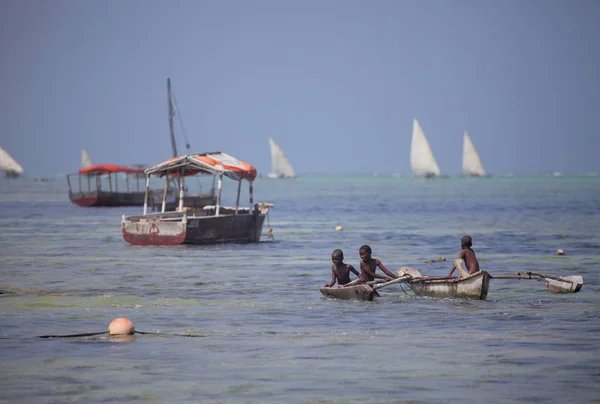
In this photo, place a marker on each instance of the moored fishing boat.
(210, 224)
(98, 185)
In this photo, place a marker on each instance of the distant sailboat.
(7, 164)
(85, 159)
(280, 165)
(422, 160)
(471, 162)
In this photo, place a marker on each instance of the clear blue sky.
(336, 83)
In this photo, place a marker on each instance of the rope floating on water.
(30, 291)
(94, 334)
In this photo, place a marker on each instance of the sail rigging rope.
(187, 143)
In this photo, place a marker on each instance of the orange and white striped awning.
(217, 163)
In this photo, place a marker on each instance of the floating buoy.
(338, 228)
(560, 252)
(121, 326)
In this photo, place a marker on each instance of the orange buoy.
(121, 326)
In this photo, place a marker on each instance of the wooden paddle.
(378, 283)
(404, 278)
(555, 284)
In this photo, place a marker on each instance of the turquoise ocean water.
(246, 323)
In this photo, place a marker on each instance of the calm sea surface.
(247, 323)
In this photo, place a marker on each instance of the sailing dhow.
(7, 164)
(471, 163)
(86, 161)
(280, 164)
(422, 160)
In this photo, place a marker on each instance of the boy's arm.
(461, 256)
(354, 271)
(372, 274)
(333, 279)
(385, 270)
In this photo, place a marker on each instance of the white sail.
(471, 162)
(9, 165)
(422, 160)
(280, 165)
(85, 159)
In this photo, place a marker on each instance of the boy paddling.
(340, 271)
(368, 265)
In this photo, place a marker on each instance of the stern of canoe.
(358, 292)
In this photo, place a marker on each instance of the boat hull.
(471, 287)
(357, 292)
(172, 228)
(109, 199)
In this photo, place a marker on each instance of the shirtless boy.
(340, 272)
(368, 265)
(468, 256)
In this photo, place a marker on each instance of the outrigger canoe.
(474, 286)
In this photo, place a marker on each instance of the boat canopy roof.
(110, 168)
(215, 163)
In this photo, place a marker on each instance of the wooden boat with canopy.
(210, 224)
(99, 185)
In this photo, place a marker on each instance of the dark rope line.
(30, 291)
(93, 334)
(87, 334)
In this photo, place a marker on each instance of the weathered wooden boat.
(359, 291)
(98, 185)
(473, 286)
(211, 224)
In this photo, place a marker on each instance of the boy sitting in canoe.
(468, 256)
(368, 265)
(340, 272)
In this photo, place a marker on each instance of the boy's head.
(365, 252)
(466, 241)
(337, 256)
